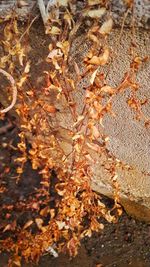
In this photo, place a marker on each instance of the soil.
(126, 243)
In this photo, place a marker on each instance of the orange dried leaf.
(95, 132)
(101, 60)
(17, 261)
(49, 108)
(39, 223)
(45, 211)
(107, 89)
(19, 170)
(29, 223)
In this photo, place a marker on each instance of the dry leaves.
(100, 60)
(95, 13)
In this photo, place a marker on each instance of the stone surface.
(129, 139)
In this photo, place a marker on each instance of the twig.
(14, 91)
(43, 11)
(28, 28)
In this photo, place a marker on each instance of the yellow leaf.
(29, 223)
(92, 79)
(21, 82)
(101, 60)
(19, 170)
(27, 67)
(95, 132)
(63, 2)
(39, 223)
(55, 30)
(94, 2)
(106, 27)
(95, 13)
(107, 89)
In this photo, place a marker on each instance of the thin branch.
(14, 91)
(43, 11)
(28, 28)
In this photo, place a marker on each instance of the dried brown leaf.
(95, 13)
(106, 27)
(101, 60)
(27, 224)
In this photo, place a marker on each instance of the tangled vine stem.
(14, 93)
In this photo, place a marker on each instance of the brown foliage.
(77, 208)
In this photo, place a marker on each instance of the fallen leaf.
(107, 89)
(106, 27)
(101, 60)
(29, 223)
(63, 2)
(93, 76)
(39, 223)
(95, 132)
(94, 2)
(49, 108)
(95, 13)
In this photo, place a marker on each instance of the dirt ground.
(126, 243)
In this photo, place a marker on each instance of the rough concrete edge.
(133, 208)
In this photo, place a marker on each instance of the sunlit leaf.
(106, 27)
(94, 2)
(95, 13)
(28, 224)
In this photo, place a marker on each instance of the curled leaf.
(39, 222)
(29, 223)
(95, 132)
(101, 60)
(49, 108)
(95, 13)
(107, 89)
(106, 27)
(54, 30)
(93, 76)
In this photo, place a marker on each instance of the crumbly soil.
(126, 243)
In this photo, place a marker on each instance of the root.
(14, 91)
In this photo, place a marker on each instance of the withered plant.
(77, 209)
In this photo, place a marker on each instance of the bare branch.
(14, 91)
(43, 10)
